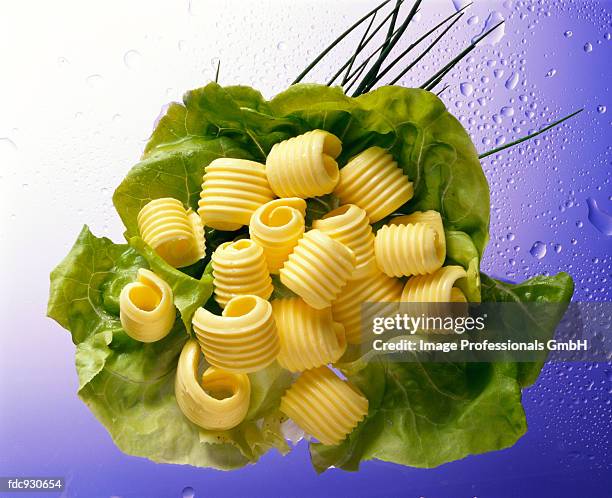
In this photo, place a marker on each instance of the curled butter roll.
(304, 166)
(432, 295)
(276, 227)
(376, 289)
(219, 402)
(408, 249)
(438, 287)
(146, 307)
(308, 337)
(324, 406)
(350, 225)
(373, 181)
(243, 339)
(232, 189)
(318, 268)
(431, 218)
(240, 268)
(175, 233)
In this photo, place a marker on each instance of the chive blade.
(530, 136)
(376, 30)
(443, 90)
(459, 57)
(373, 71)
(426, 51)
(359, 49)
(217, 72)
(417, 42)
(336, 41)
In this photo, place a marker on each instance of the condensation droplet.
(601, 109)
(495, 36)
(512, 81)
(538, 250)
(94, 80)
(588, 47)
(460, 4)
(466, 89)
(568, 34)
(473, 20)
(507, 111)
(551, 73)
(188, 492)
(132, 59)
(281, 45)
(598, 218)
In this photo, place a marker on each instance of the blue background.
(539, 225)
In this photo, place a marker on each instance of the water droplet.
(466, 89)
(62, 61)
(588, 47)
(568, 34)
(507, 111)
(538, 250)
(599, 218)
(188, 492)
(498, 73)
(558, 248)
(551, 73)
(601, 109)
(495, 36)
(512, 81)
(473, 20)
(94, 80)
(608, 36)
(281, 45)
(132, 59)
(460, 4)
(8, 144)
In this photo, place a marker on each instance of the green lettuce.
(420, 414)
(426, 414)
(129, 385)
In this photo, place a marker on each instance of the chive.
(364, 63)
(443, 90)
(336, 41)
(217, 72)
(530, 136)
(426, 51)
(360, 47)
(391, 28)
(373, 71)
(358, 74)
(458, 58)
(443, 73)
(381, 24)
(411, 46)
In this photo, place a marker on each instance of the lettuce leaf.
(427, 414)
(556, 289)
(129, 385)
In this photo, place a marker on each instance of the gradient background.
(81, 85)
